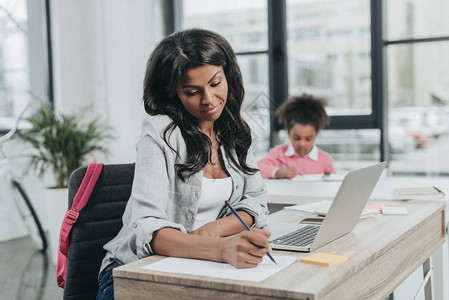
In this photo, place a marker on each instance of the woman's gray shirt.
(159, 198)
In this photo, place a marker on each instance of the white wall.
(100, 50)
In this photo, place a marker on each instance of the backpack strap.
(79, 201)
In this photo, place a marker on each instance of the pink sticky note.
(376, 206)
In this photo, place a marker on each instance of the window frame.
(277, 30)
(278, 72)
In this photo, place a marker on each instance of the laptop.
(344, 212)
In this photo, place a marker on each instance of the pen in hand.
(246, 226)
(284, 164)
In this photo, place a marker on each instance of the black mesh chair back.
(98, 222)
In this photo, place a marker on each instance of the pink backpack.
(79, 201)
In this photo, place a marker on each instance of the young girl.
(303, 118)
(193, 155)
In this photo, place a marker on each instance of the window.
(414, 19)
(22, 59)
(329, 56)
(245, 25)
(324, 53)
(336, 50)
(14, 72)
(417, 85)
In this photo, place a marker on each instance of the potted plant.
(61, 143)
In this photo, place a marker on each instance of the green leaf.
(62, 143)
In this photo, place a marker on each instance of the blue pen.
(284, 164)
(246, 226)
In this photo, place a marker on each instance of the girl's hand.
(246, 249)
(208, 229)
(286, 172)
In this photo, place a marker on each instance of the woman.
(192, 156)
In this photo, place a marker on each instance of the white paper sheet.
(320, 177)
(394, 210)
(221, 270)
(310, 207)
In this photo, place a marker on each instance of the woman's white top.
(214, 192)
(161, 199)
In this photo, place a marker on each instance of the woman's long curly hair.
(171, 58)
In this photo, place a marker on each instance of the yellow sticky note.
(324, 259)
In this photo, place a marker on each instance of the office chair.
(98, 222)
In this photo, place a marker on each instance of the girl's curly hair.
(304, 109)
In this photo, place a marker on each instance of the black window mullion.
(170, 9)
(415, 41)
(277, 57)
(49, 52)
(353, 122)
(252, 52)
(378, 76)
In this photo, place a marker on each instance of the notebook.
(425, 192)
(367, 212)
(343, 214)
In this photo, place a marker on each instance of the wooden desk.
(282, 192)
(383, 251)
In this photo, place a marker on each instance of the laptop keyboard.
(301, 237)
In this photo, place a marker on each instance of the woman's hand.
(246, 249)
(286, 172)
(226, 226)
(211, 229)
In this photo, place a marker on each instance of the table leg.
(427, 284)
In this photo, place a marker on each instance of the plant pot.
(56, 207)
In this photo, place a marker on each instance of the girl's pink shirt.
(305, 165)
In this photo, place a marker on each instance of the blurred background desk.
(286, 191)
